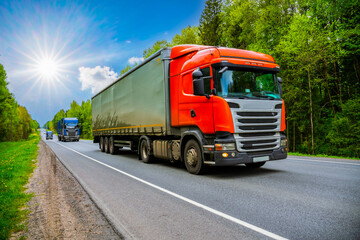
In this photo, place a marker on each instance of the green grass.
(320, 155)
(16, 166)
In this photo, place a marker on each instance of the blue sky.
(58, 51)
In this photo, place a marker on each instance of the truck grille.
(72, 133)
(257, 131)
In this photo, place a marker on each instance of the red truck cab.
(232, 97)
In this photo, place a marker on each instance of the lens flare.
(47, 68)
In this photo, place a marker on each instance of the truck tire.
(193, 157)
(255, 165)
(112, 149)
(145, 151)
(101, 144)
(106, 144)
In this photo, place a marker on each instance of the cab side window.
(207, 81)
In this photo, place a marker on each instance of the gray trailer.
(134, 105)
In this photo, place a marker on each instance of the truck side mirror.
(198, 83)
(280, 87)
(197, 73)
(198, 86)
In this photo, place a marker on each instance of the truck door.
(196, 110)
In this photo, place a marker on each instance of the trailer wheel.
(145, 151)
(193, 157)
(112, 149)
(101, 144)
(106, 144)
(255, 165)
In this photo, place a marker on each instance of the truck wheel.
(255, 165)
(101, 144)
(112, 149)
(145, 151)
(106, 144)
(193, 157)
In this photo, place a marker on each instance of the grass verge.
(320, 155)
(16, 166)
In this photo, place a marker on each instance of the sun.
(47, 68)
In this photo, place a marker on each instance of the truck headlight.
(283, 142)
(225, 146)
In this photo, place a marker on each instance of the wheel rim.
(144, 151)
(192, 157)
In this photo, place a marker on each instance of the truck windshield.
(71, 125)
(236, 83)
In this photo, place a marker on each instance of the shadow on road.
(239, 171)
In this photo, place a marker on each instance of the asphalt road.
(296, 198)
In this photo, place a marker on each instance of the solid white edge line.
(303, 159)
(216, 212)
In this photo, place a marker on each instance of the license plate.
(261, 159)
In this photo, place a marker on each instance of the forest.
(15, 121)
(317, 45)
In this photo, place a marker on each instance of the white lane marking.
(216, 212)
(303, 159)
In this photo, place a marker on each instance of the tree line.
(15, 121)
(317, 45)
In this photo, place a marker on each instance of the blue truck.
(49, 135)
(68, 129)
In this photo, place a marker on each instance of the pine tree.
(210, 23)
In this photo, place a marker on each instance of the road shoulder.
(61, 208)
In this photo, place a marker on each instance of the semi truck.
(68, 129)
(49, 135)
(196, 105)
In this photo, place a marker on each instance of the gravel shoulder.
(61, 208)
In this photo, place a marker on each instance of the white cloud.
(128, 41)
(96, 78)
(134, 60)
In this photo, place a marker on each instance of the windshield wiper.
(268, 97)
(264, 96)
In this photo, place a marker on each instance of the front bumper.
(235, 157)
(71, 138)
